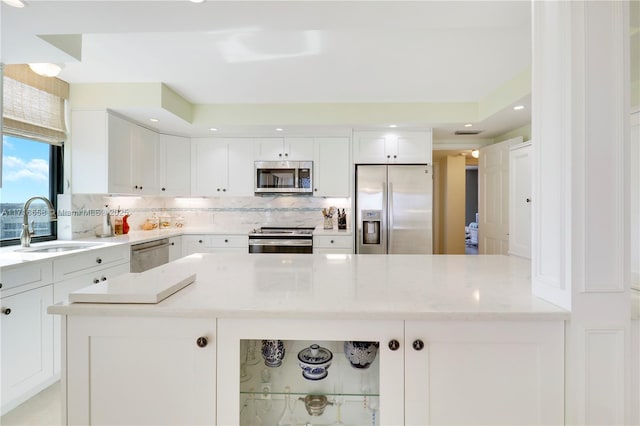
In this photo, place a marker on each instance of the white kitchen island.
(461, 341)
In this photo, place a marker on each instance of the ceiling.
(244, 52)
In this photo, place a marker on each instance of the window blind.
(33, 106)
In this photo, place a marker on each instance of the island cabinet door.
(484, 372)
(140, 371)
(357, 370)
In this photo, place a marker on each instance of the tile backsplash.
(80, 215)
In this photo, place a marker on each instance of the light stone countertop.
(319, 286)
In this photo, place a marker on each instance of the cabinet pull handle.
(528, 200)
(202, 342)
(96, 281)
(394, 345)
(418, 344)
(99, 260)
(6, 311)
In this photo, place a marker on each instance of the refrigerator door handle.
(389, 216)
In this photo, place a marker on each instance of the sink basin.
(56, 248)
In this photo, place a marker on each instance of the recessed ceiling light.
(468, 125)
(213, 129)
(518, 107)
(475, 153)
(155, 120)
(393, 126)
(46, 69)
(279, 129)
(14, 3)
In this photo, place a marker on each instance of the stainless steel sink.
(56, 248)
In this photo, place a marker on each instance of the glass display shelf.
(351, 394)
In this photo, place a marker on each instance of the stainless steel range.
(274, 239)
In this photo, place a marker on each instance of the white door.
(484, 373)
(27, 343)
(141, 371)
(332, 167)
(520, 201)
(493, 198)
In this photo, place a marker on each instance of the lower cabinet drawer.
(237, 241)
(35, 274)
(82, 263)
(329, 241)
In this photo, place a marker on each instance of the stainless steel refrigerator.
(394, 209)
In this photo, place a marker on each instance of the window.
(29, 168)
(33, 131)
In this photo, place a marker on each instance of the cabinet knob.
(331, 241)
(528, 200)
(99, 260)
(6, 311)
(140, 187)
(96, 281)
(0, 285)
(418, 344)
(224, 189)
(286, 154)
(280, 155)
(394, 345)
(388, 156)
(226, 241)
(315, 189)
(395, 156)
(136, 186)
(200, 241)
(202, 342)
(218, 189)
(173, 244)
(103, 278)
(164, 189)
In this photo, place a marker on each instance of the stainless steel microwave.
(283, 177)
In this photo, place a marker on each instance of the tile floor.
(44, 409)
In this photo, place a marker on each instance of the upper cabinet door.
(120, 166)
(175, 164)
(240, 167)
(393, 147)
(270, 149)
(209, 159)
(298, 149)
(145, 158)
(331, 168)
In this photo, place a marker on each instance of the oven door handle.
(278, 242)
(135, 251)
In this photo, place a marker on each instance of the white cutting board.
(145, 287)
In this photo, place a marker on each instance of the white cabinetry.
(222, 167)
(634, 170)
(174, 165)
(175, 248)
(332, 167)
(284, 149)
(112, 155)
(393, 147)
(493, 373)
(520, 200)
(327, 244)
(76, 272)
(214, 244)
(150, 370)
(26, 332)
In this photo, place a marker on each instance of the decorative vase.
(360, 354)
(315, 361)
(273, 352)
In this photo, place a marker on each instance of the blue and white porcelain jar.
(361, 354)
(273, 352)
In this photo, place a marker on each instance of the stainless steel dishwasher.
(149, 255)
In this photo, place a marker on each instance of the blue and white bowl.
(315, 361)
(361, 354)
(273, 352)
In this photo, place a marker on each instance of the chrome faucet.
(25, 235)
